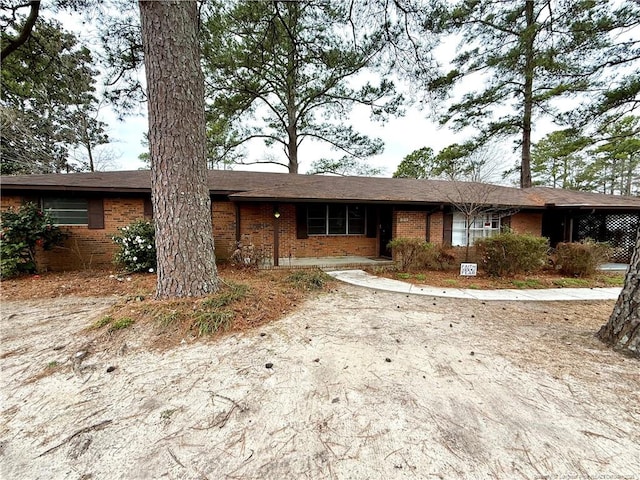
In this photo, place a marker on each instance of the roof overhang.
(583, 206)
(72, 188)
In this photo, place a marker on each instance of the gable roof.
(260, 186)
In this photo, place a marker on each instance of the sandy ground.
(361, 385)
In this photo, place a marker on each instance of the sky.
(401, 136)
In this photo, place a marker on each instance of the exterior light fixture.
(276, 213)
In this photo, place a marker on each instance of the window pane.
(337, 220)
(67, 211)
(458, 232)
(317, 219)
(65, 203)
(481, 226)
(356, 219)
(317, 226)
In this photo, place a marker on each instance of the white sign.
(468, 269)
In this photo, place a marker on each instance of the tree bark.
(529, 35)
(622, 331)
(179, 190)
(292, 148)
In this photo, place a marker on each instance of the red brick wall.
(224, 228)
(85, 248)
(94, 248)
(88, 248)
(436, 228)
(257, 224)
(409, 224)
(530, 223)
(10, 202)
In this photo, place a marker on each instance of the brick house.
(289, 216)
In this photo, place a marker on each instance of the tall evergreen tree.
(607, 162)
(618, 66)
(48, 102)
(284, 72)
(460, 162)
(558, 160)
(616, 168)
(526, 53)
(420, 163)
(179, 189)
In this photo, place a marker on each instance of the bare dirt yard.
(350, 384)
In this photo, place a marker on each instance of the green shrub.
(11, 261)
(137, 247)
(22, 232)
(507, 254)
(412, 253)
(581, 259)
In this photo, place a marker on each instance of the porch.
(346, 262)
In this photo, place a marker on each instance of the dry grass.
(247, 299)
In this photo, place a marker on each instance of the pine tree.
(527, 54)
(281, 71)
(179, 190)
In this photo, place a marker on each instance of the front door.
(386, 230)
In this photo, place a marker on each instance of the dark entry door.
(386, 230)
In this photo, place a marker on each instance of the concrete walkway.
(363, 279)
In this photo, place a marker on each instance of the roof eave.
(68, 188)
(582, 206)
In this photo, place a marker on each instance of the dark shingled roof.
(559, 197)
(259, 186)
(392, 190)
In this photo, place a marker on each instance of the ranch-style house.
(288, 216)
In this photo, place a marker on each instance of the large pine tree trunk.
(622, 331)
(529, 53)
(180, 195)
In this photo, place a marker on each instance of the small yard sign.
(468, 269)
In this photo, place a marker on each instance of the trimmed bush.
(412, 253)
(508, 254)
(581, 259)
(22, 232)
(137, 247)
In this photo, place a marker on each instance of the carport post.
(276, 236)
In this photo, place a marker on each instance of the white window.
(480, 226)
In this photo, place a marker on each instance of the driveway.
(356, 384)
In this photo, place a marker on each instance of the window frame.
(332, 211)
(477, 229)
(53, 211)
